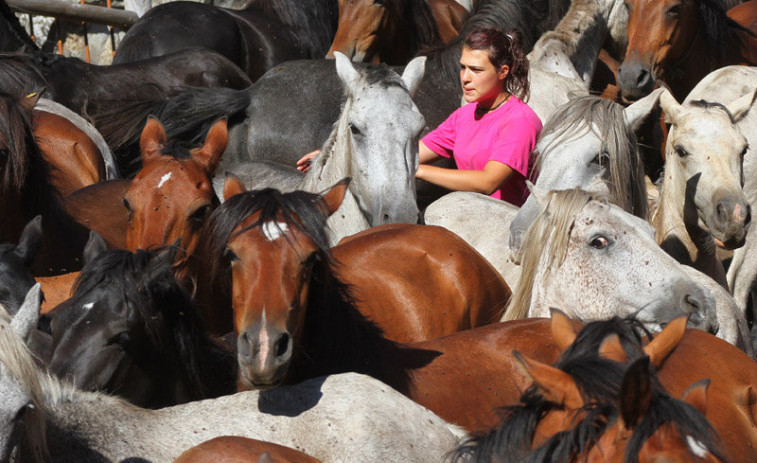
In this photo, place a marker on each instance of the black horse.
(256, 38)
(131, 329)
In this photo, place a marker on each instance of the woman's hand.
(303, 165)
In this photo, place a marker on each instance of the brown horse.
(394, 31)
(680, 42)
(168, 199)
(414, 282)
(232, 449)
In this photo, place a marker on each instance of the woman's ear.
(504, 70)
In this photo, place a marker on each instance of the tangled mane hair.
(546, 241)
(626, 182)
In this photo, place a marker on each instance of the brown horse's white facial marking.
(697, 448)
(164, 179)
(264, 341)
(274, 230)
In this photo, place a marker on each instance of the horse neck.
(578, 37)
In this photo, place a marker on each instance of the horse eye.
(354, 129)
(601, 159)
(199, 215)
(599, 242)
(681, 151)
(120, 339)
(230, 255)
(127, 205)
(674, 11)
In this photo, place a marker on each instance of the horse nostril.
(722, 213)
(643, 78)
(695, 305)
(282, 345)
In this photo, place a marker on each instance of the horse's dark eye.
(674, 11)
(681, 151)
(127, 205)
(601, 159)
(354, 129)
(199, 215)
(121, 339)
(599, 242)
(230, 255)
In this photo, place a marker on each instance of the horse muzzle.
(730, 223)
(264, 355)
(635, 78)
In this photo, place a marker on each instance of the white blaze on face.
(263, 342)
(697, 447)
(164, 179)
(274, 230)
(88, 305)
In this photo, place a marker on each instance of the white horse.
(702, 204)
(721, 86)
(347, 417)
(587, 143)
(594, 260)
(375, 142)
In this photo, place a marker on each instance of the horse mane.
(418, 23)
(315, 21)
(626, 184)
(717, 25)
(165, 308)
(19, 73)
(546, 241)
(18, 362)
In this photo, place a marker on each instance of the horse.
(588, 142)
(393, 32)
(131, 329)
(15, 260)
(256, 37)
(702, 204)
(679, 43)
(348, 417)
(383, 266)
(229, 448)
(375, 142)
(571, 417)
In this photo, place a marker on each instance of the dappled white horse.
(375, 142)
(702, 204)
(587, 143)
(347, 417)
(594, 260)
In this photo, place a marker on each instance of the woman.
(491, 138)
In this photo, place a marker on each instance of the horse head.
(172, 196)
(273, 249)
(704, 168)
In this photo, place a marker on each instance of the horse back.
(420, 282)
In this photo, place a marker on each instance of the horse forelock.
(707, 105)
(626, 184)
(546, 241)
(19, 73)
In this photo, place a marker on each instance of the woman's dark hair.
(503, 48)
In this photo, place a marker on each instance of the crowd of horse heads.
(174, 289)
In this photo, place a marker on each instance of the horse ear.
(670, 105)
(666, 341)
(636, 113)
(635, 393)
(30, 241)
(554, 384)
(152, 139)
(27, 316)
(95, 246)
(741, 106)
(696, 395)
(209, 156)
(611, 349)
(562, 329)
(232, 186)
(346, 71)
(335, 195)
(413, 74)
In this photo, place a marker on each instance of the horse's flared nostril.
(642, 79)
(282, 345)
(695, 307)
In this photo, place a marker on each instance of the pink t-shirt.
(507, 135)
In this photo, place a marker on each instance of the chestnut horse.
(414, 282)
(231, 449)
(394, 31)
(680, 42)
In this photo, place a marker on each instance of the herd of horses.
(175, 290)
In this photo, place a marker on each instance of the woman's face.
(481, 82)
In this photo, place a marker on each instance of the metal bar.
(76, 12)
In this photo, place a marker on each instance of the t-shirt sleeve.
(515, 142)
(442, 139)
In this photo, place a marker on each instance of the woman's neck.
(500, 100)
